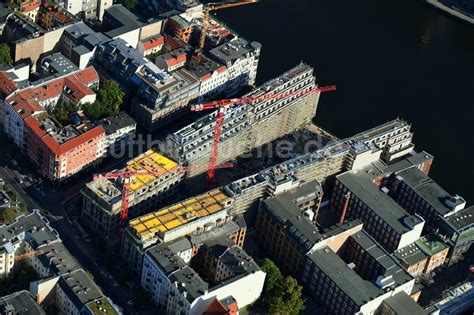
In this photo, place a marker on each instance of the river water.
(388, 59)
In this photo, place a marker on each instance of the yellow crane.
(208, 8)
(28, 255)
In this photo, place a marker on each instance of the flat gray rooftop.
(391, 266)
(385, 207)
(80, 288)
(358, 289)
(401, 303)
(427, 188)
(22, 302)
(462, 219)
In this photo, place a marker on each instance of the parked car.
(20, 181)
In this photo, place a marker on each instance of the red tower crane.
(222, 106)
(128, 177)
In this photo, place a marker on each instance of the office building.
(418, 193)
(356, 196)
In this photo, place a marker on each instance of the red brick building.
(58, 152)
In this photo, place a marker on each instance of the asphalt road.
(50, 200)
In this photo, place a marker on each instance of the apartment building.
(457, 231)
(151, 45)
(425, 255)
(247, 127)
(418, 193)
(163, 96)
(89, 9)
(26, 233)
(59, 274)
(182, 290)
(76, 293)
(241, 59)
(20, 302)
(56, 65)
(342, 268)
(79, 43)
(195, 215)
(119, 129)
(356, 196)
(58, 152)
(118, 60)
(213, 76)
(102, 200)
(29, 9)
(120, 23)
(401, 303)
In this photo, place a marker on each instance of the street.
(50, 201)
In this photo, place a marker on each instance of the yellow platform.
(179, 214)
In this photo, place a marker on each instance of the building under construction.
(103, 199)
(249, 125)
(193, 216)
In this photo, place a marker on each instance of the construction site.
(193, 216)
(148, 180)
(246, 127)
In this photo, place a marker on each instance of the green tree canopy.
(62, 112)
(281, 295)
(5, 56)
(7, 215)
(286, 298)
(109, 98)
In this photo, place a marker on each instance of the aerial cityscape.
(236, 157)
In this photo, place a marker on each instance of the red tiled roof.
(62, 17)
(87, 76)
(7, 85)
(176, 60)
(206, 77)
(222, 69)
(216, 307)
(75, 82)
(154, 42)
(26, 7)
(55, 147)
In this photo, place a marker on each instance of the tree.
(281, 295)
(7, 215)
(109, 98)
(5, 56)
(129, 4)
(272, 279)
(287, 298)
(62, 112)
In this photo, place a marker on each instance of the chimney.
(347, 197)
